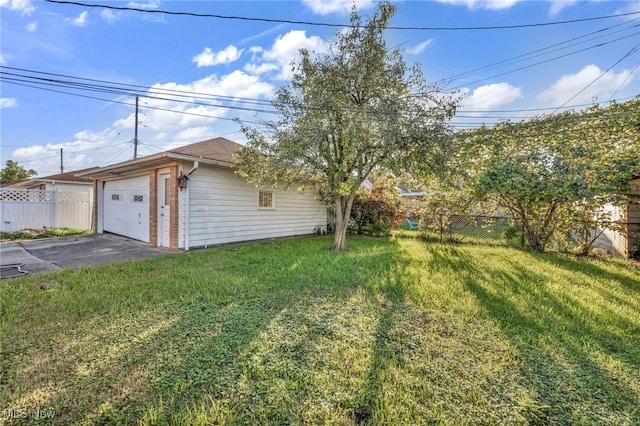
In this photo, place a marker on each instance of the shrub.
(376, 213)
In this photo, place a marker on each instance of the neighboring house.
(412, 198)
(68, 181)
(626, 241)
(190, 197)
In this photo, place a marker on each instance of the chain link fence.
(624, 241)
(446, 228)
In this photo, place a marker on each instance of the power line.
(566, 55)
(75, 152)
(136, 88)
(128, 103)
(631, 52)
(453, 124)
(324, 24)
(624, 82)
(603, 32)
(113, 88)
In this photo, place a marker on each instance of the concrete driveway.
(72, 252)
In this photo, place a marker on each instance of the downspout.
(194, 168)
(100, 208)
(187, 208)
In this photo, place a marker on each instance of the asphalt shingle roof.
(219, 149)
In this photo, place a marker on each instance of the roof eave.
(203, 160)
(56, 181)
(150, 161)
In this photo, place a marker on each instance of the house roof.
(217, 152)
(219, 149)
(66, 177)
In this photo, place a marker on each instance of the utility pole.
(61, 162)
(135, 138)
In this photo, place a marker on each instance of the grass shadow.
(565, 350)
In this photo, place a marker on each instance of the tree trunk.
(343, 214)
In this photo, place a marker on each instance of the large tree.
(554, 172)
(348, 111)
(13, 172)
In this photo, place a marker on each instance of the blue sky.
(237, 64)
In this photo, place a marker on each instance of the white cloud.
(419, 48)
(8, 103)
(630, 7)
(283, 52)
(191, 135)
(483, 4)
(80, 20)
(23, 6)
(570, 85)
(112, 17)
(179, 121)
(109, 16)
(327, 7)
(209, 58)
(151, 4)
(31, 26)
(490, 96)
(87, 149)
(558, 5)
(257, 69)
(236, 84)
(277, 28)
(3, 61)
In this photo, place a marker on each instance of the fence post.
(54, 208)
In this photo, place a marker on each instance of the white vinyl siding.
(222, 209)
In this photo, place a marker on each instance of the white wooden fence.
(36, 209)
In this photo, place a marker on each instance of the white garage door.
(126, 207)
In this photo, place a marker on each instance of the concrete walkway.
(52, 254)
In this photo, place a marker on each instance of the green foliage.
(33, 234)
(552, 172)
(378, 211)
(347, 112)
(13, 173)
(449, 203)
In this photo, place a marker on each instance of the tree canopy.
(350, 110)
(13, 172)
(554, 172)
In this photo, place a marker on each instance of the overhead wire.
(546, 61)
(109, 145)
(147, 91)
(176, 95)
(151, 94)
(128, 103)
(112, 88)
(631, 52)
(601, 33)
(326, 24)
(140, 88)
(624, 82)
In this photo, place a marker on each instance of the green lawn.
(394, 331)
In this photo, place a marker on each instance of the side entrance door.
(164, 211)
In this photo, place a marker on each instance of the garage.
(126, 207)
